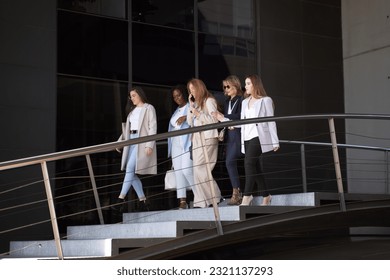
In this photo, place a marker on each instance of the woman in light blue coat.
(178, 147)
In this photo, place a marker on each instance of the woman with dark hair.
(140, 158)
(202, 105)
(232, 140)
(257, 139)
(178, 147)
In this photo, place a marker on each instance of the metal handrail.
(43, 159)
(111, 146)
(360, 147)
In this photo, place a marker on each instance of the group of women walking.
(194, 156)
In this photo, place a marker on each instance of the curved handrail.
(360, 147)
(111, 146)
(86, 151)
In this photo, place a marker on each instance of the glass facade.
(98, 61)
(102, 52)
(92, 46)
(168, 13)
(162, 56)
(233, 18)
(105, 47)
(226, 40)
(90, 110)
(107, 8)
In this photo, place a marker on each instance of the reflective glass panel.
(108, 8)
(89, 112)
(221, 56)
(161, 55)
(173, 13)
(226, 17)
(92, 46)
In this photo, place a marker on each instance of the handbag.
(170, 180)
(221, 135)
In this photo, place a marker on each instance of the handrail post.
(303, 166)
(94, 188)
(52, 210)
(336, 160)
(209, 178)
(387, 172)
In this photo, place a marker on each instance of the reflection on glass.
(226, 17)
(109, 8)
(173, 13)
(92, 46)
(89, 112)
(222, 56)
(161, 55)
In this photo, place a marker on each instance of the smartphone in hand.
(192, 98)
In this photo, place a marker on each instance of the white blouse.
(251, 129)
(134, 118)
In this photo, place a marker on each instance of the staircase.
(143, 229)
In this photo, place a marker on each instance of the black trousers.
(254, 177)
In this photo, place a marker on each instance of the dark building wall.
(27, 111)
(28, 78)
(301, 65)
(301, 56)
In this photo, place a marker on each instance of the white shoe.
(266, 200)
(246, 200)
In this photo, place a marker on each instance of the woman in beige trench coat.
(202, 104)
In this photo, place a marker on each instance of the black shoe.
(143, 206)
(120, 205)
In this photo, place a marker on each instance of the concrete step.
(146, 228)
(170, 229)
(78, 248)
(226, 214)
(70, 248)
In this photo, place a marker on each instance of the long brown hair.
(130, 106)
(201, 88)
(258, 87)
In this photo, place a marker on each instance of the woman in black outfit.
(232, 139)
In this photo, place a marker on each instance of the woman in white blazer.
(140, 158)
(202, 105)
(256, 139)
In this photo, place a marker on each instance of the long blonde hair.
(234, 81)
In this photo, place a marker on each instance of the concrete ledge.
(70, 248)
(161, 229)
(227, 214)
(144, 229)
